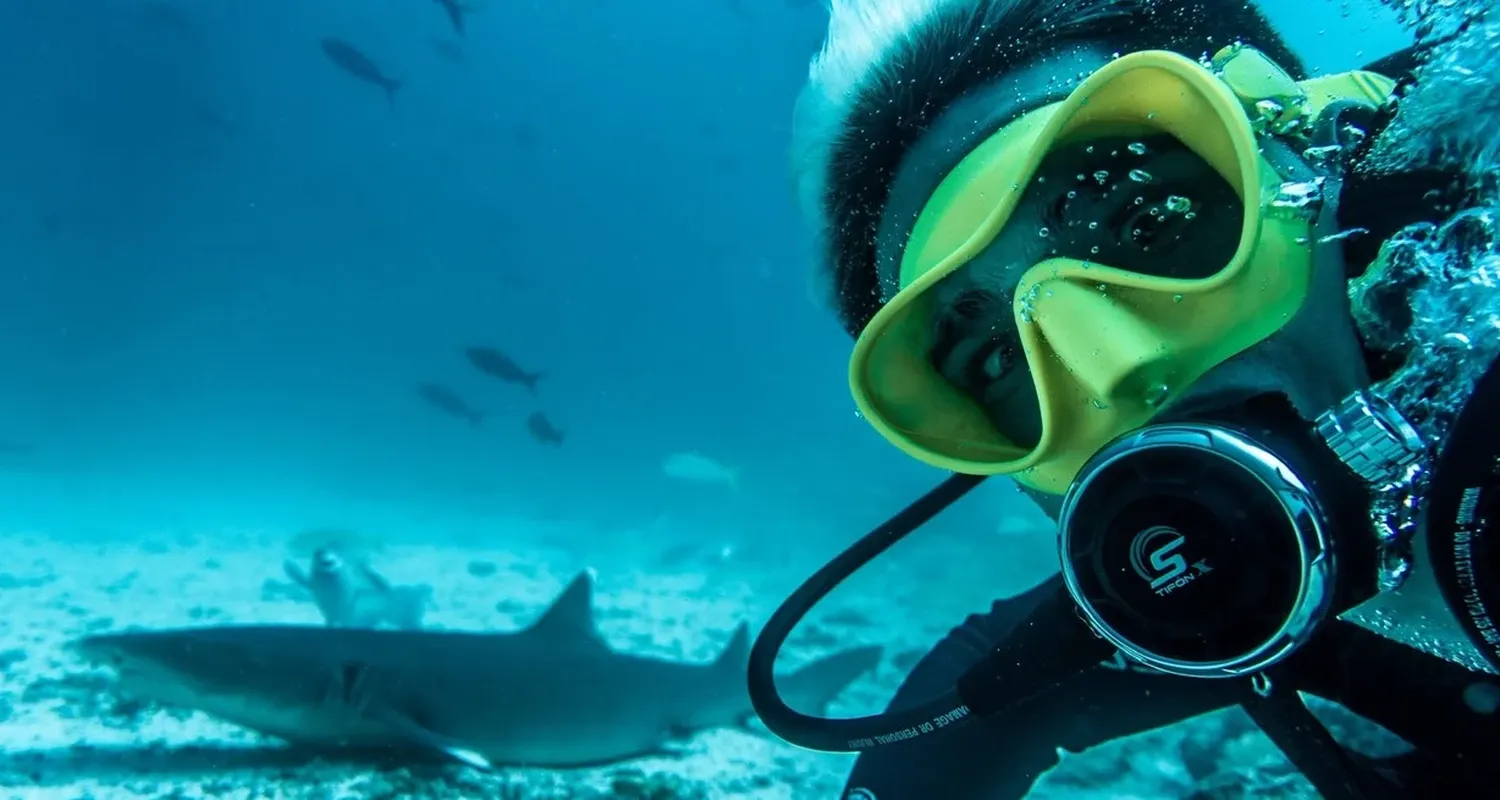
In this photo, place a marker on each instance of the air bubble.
(1302, 197)
(1136, 147)
(1140, 176)
(1482, 698)
(1322, 155)
(1028, 304)
(1342, 235)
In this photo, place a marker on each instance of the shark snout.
(135, 652)
(101, 650)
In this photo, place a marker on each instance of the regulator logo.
(1155, 557)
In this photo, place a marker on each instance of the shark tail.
(529, 381)
(737, 653)
(390, 86)
(811, 688)
(476, 417)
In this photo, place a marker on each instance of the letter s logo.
(1165, 563)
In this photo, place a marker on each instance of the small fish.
(542, 429)
(348, 58)
(450, 50)
(1017, 525)
(695, 468)
(350, 594)
(695, 554)
(213, 119)
(496, 364)
(455, 14)
(444, 400)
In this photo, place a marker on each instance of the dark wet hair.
(962, 47)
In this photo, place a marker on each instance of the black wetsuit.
(1414, 695)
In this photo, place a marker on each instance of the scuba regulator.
(1271, 530)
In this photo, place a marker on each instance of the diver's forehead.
(968, 121)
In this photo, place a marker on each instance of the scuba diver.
(1230, 337)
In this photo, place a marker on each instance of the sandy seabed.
(65, 734)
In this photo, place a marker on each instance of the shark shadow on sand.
(60, 766)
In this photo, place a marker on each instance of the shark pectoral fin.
(675, 741)
(571, 616)
(425, 739)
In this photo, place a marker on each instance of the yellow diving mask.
(1107, 348)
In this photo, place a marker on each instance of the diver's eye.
(991, 363)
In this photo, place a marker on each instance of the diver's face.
(1144, 204)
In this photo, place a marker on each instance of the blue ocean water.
(226, 266)
(227, 263)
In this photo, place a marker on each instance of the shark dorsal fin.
(571, 615)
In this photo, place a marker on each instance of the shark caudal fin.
(809, 689)
(812, 687)
(737, 653)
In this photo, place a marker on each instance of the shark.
(553, 694)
